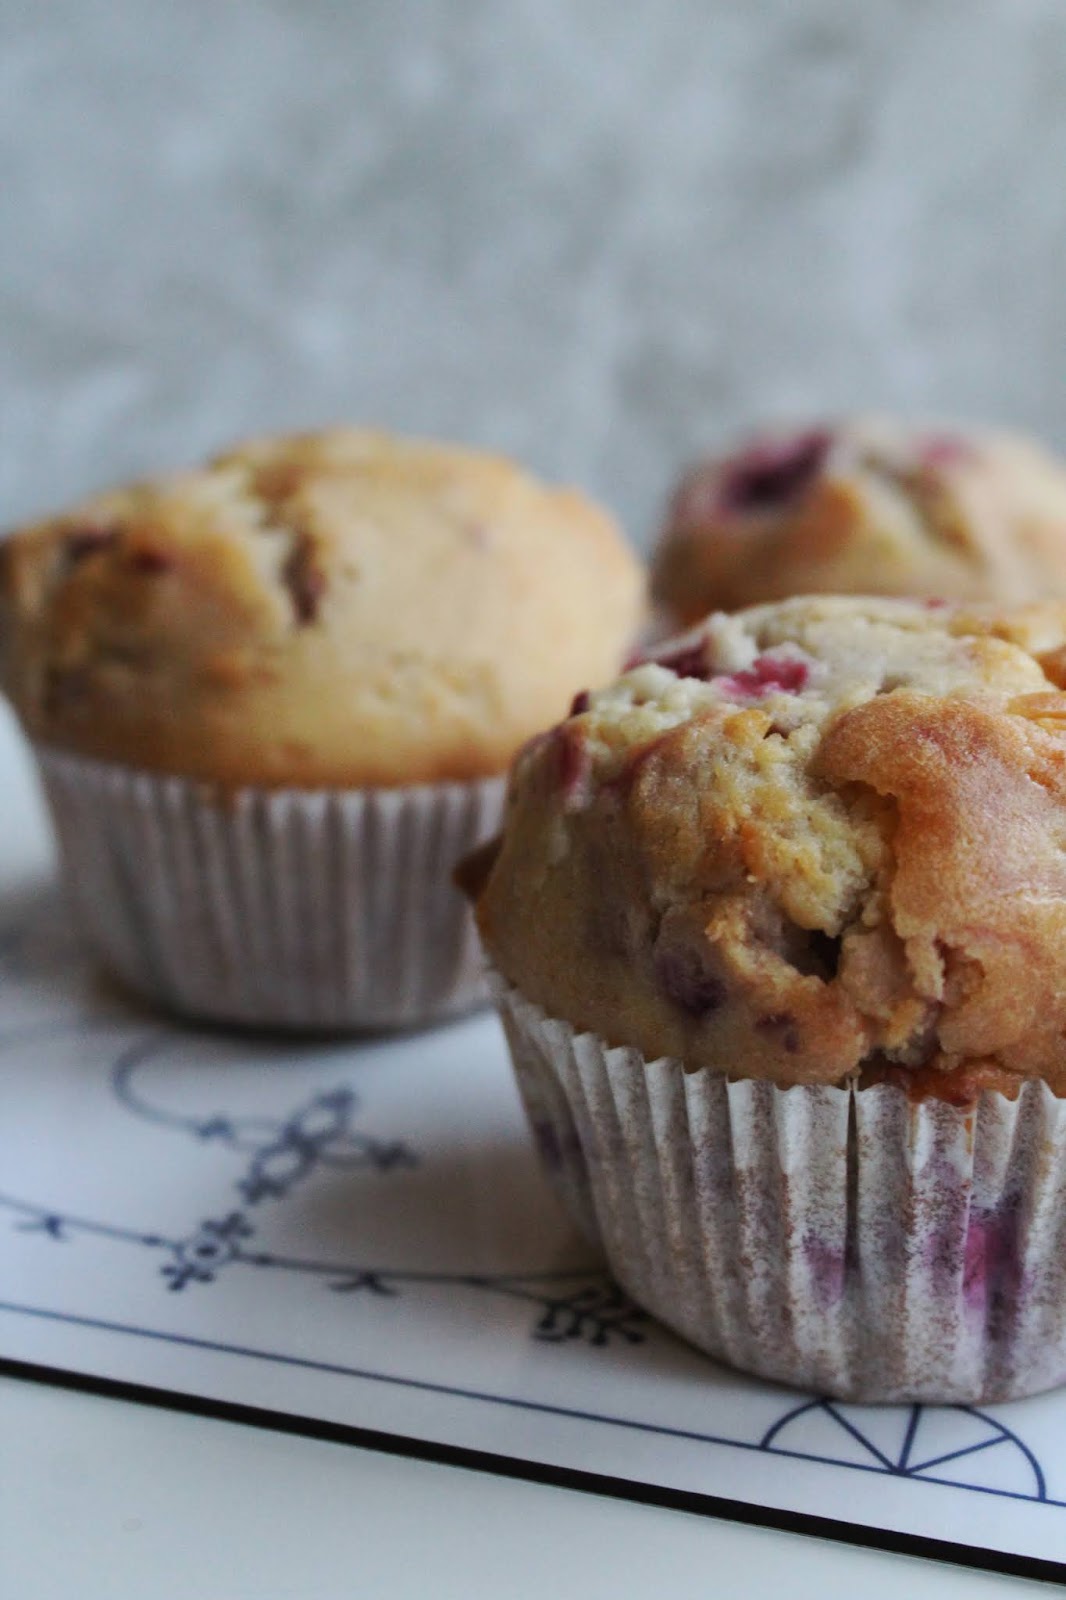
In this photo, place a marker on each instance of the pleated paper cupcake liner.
(329, 909)
(847, 1242)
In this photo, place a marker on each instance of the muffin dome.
(865, 507)
(806, 842)
(341, 608)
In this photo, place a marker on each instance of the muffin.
(272, 699)
(865, 507)
(779, 923)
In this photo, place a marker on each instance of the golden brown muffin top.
(806, 842)
(866, 506)
(340, 608)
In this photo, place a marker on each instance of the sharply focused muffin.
(273, 697)
(802, 838)
(865, 507)
(781, 920)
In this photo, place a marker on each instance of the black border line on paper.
(500, 1465)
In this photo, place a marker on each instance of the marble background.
(596, 236)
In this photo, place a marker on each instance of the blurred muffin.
(273, 697)
(780, 922)
(866, 507)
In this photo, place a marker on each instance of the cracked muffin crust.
(868, 506)
(334, 609)
(812, 842)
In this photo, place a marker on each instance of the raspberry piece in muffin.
(769, 475)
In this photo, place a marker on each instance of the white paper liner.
(327, 909)
(851, 1243)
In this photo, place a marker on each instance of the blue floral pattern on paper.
(278, 1155)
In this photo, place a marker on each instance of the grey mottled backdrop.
(594, 235)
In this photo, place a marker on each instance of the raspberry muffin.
(865, 507)
(273, 698)
(779, 920)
